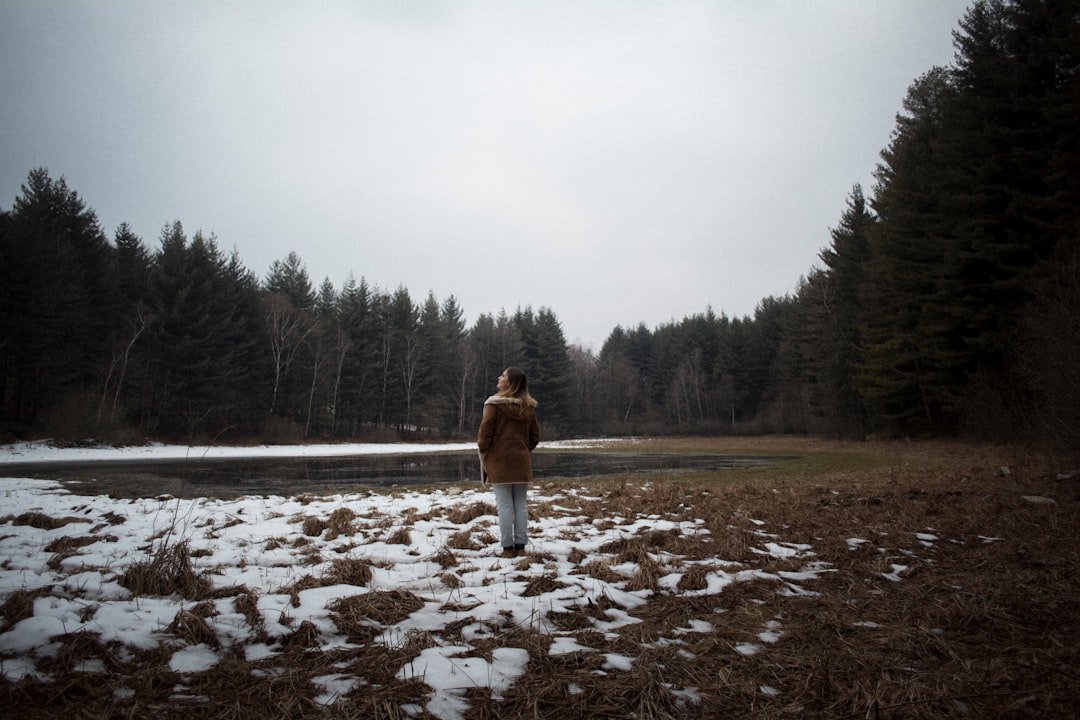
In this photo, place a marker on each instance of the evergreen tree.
(619, 386)
(804, 351)
(761, 362)
(838, 345)
(289, 278)
(459, 364)
(498, 343)
(443, 389)
(397, 319)
(133, 263)
(904, 327)
(969, 200)
(60, 307)
(128, 368)
(204, 342)
(725, 371)
(547, 365)
(243, 333)
(698, 345)
(326, 302)
(358, 397)
(431, 387)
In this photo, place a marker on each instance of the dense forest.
(947, 302)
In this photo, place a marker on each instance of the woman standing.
(508, 434)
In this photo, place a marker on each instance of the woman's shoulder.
(504, 400)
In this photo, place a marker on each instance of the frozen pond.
(289, 476)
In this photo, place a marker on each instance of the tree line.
(946, 302)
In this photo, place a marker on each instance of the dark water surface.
(289, 476)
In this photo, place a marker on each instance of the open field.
(868, 580)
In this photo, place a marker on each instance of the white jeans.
(513, 513)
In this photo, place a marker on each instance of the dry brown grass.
(401, 536)
(168, 570)
(19, 605)
(350, 571)
(314, 526)
(40, 520)
(341, 522)
(360, 617)
(467, 513)
(469, 539)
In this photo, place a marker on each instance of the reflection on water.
(277, 476)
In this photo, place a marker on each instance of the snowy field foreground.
(398, 604)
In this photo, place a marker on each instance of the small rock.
(1038, 500)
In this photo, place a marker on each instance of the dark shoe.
(519, 549)
(508, 552)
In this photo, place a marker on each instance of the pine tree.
(547, 365)
(60, 307)
(904, 327)
(358, 400)
(760, 361)
(969, 200)
(133, 265)
(619, 384)
(431, 388)
(462, 363)
(326, 302)
(497, 344)
(839, 342)
(205, 340)
(289, 278)
(128, 368)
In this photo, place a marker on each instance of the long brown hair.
(518, 387)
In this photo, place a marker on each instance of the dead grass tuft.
(247, 604)
(349, 571)
(341, 523)
(648, 573)
(313, 526)
(192, 626)
(355, 614)
(601, 570)
(445, 558)
(695, 578)
(19, 605)
(40, 521)
(169, 570)
(401, 536)
(468, 513)
(113, 519)
(68, 543)
(82, 653)
(541, 586)
(303, 638)
(463, 540)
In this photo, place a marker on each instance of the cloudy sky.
(617, 161)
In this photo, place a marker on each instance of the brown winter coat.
(508, 433)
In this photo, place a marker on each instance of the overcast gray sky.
(617, 161)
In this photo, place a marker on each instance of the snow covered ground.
(69, 553)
